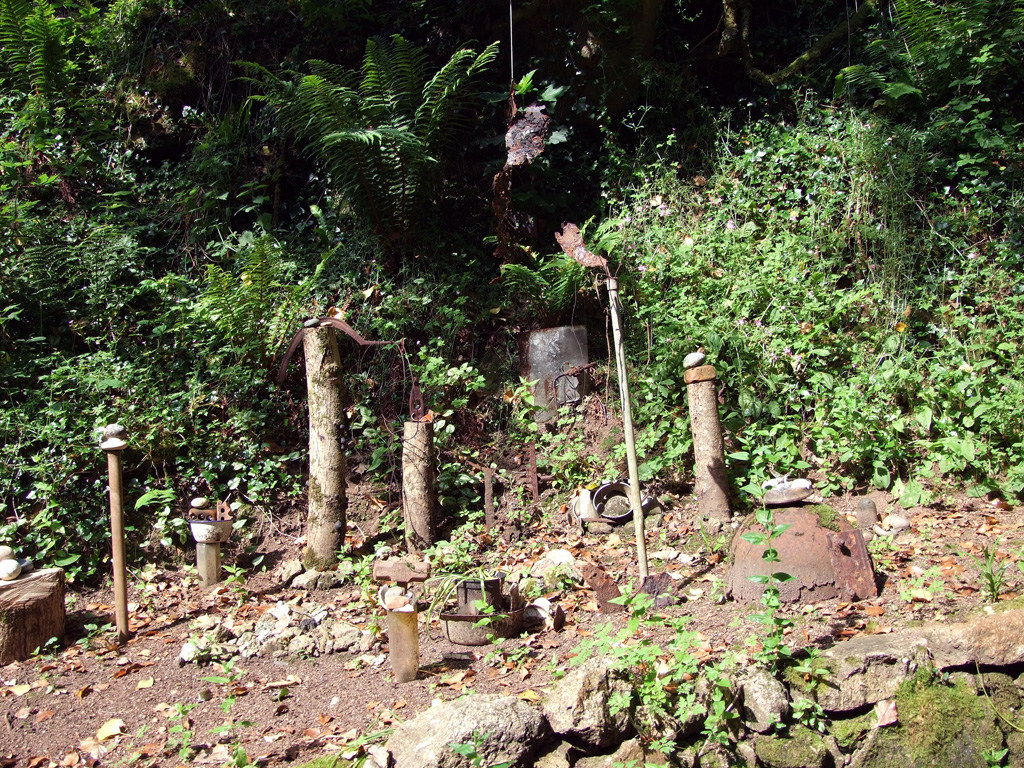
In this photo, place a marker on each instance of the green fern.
(255, 307)
(382, 133)
(33, 42)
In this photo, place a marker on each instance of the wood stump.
(419, 489)
(712, 486)
(31, 612)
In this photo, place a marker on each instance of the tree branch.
(813, 53)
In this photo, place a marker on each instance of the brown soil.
(297, 709)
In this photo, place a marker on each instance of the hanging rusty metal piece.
(417, 405)
(320, 322)
(571, 241)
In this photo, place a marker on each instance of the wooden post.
(712, 486)
(419, 492)
(113, 443)
(325, 522)
(627, 428)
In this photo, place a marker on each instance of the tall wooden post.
(712, 486)
(419, 490)
(325, 522)
(113, 443)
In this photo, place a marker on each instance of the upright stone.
(419, 491)
(550, 353)
(325, 523)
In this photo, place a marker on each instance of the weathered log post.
(113, 443)
(325, 522)
(419, 488)
(712, 486)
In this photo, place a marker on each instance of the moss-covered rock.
(802, 748)
(849, 732)
(827, 516)
(940, 725)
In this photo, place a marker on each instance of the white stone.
(694, 360)
(9, 570)
(6, 553)
(200, 502)
(896, 522)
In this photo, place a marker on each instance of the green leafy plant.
(992, 570)
(471, 751)
(773, 651)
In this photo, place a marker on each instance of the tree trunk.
(325, 524)
(419, 492)
(712, 486)
(31, 612)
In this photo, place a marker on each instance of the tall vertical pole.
(113, 443)
(627, 428)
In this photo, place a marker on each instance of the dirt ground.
(89, 702)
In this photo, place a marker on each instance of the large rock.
(765, 701)
(866, 669)
(511, 729)
(579, 706)
(995, 639)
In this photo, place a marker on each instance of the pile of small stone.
(12, 567)
(295, 628)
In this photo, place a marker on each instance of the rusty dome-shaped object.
(823, 553)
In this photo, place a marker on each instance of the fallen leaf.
(113, 727)
(91, 745)
(70, 759)
(44, 715)
(146, 682)
(325, 719)
(311, 733)
(19, 690)
(874, 610)
(23, 713)
(529, 695)
(886, 711)
(81, 693)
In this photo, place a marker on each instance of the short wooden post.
(419, 491)
(712, 486)
(208, 564)
(113, 443)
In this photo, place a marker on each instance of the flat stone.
(308, 580)
(788, 493)
(702, 373)
(289, 570)
(869, 669)
(401, 570)
(896, 522)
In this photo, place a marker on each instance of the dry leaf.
(874, 610)
(95, 749)
(311, 733)
(44, 715)
(70, 759)
(886, 711)
(19, 690)
(324, 719)
(529, 695)
(113, 727)
(23, 713)
(83, 692)
(146, 682)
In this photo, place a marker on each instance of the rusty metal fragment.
(852, 565)
(525, 136)
(571, 242)
(604, 586)
(662, 588)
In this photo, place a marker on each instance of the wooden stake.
(712, 486)
(113, 443)
(419, 492)
(325, 522)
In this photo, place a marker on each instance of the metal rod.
(627, 428)
(113, 445)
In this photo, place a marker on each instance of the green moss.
(827, 516)
(802, 748)
(939, 725)
(327, 762)
(849, 731)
